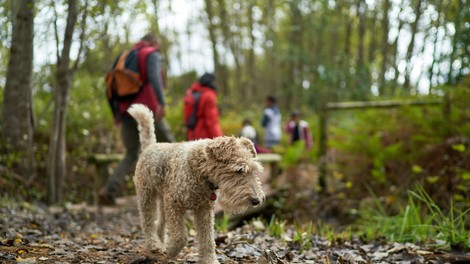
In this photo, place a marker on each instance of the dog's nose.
(255, 201)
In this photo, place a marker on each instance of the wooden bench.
(273, 160)
(102, 161)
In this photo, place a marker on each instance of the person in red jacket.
(205, 108)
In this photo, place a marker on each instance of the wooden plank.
(105, 158)
(269, 157)
(380, 104)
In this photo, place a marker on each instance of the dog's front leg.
(176, 231)
(204, 224)
(146, 198)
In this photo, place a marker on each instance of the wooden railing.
(323, 123)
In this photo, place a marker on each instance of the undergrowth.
(421, 220)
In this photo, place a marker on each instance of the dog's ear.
(248, 144)
(221, 148)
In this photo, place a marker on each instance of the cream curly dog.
(171, 178)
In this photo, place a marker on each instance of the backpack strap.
(142, 54)
(193, 118)
(122, 60)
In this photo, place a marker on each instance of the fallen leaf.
(21, 251)
(17, 241)
(41, 245)
(25, 260)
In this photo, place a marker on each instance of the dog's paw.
(154, 245)
(210, 262)
(212, 259)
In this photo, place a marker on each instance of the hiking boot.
(106, 198)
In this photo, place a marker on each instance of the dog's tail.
(144, 118)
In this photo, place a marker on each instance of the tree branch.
(56, 31)
(82, 36)
(68, 36)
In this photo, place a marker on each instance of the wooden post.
(322, 148)
(446, 106)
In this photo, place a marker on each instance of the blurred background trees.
(306, 52)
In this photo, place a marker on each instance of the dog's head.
(236, 173)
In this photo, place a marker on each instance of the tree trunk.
(63, 78)
(225, 34)
(212, 28)
(409, 52)
(346, 58)
(373, 37)
(293, 80)
(362, 86)
(384, 49)
(395, 52)
(455, 40)
(273, 78)
(232, 41)
(17, 100)
(436, 37)
(251, 62)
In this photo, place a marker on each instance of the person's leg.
(163, 131)
(130, 138)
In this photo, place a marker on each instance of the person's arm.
(154, 76)
(289, 127)
(211, 119)
(266, 119)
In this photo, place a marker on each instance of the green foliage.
(325, 230)
(459, 147)
(222, 223)
(451, 226)
(421, 220)
(293, 154)
(9, 159)
(276, 227)
(398, 147)
(304, 236)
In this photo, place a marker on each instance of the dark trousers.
(130, 138)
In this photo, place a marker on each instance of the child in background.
(299, 130)
(249, 132)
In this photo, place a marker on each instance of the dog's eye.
(240, 171)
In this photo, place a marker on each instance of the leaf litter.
(87, 234)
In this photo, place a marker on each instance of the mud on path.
(86, 234)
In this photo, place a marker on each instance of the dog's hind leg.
(147, 203)
(176, 231)
(204, 224)
(160, 219)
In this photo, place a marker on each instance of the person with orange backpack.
(135, 78)
(201, 114)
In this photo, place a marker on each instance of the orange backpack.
(122, 83)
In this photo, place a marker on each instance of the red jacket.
(207, 125)
(147, 95)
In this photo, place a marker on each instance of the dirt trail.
(85, 234)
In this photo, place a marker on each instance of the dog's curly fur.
(171, 178)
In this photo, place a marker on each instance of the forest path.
(85, 234)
